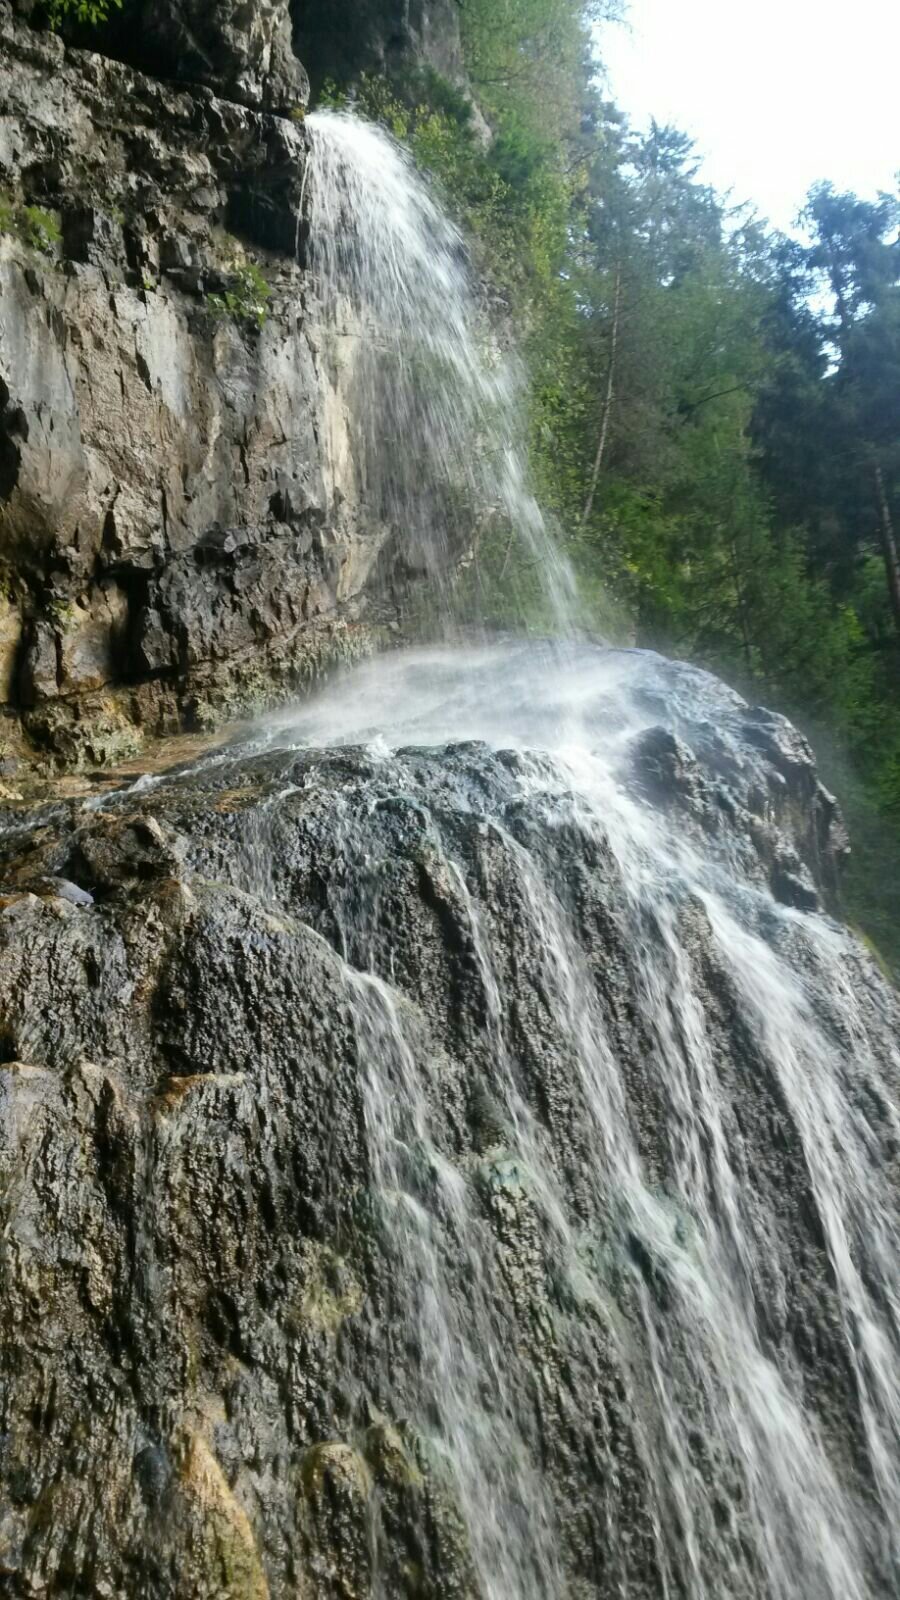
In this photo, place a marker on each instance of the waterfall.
(427, 427)
(449, 1146)
(718, 1200)
(749, 1490)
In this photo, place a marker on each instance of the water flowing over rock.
(198, 515)
(426, 426)
(452, 1168)
(449, 1148)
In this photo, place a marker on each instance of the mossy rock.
(228, 1564)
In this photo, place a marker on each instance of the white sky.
(777, 93)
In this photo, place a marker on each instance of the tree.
(856, 249)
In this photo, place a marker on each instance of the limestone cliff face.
(169, 550)
(242, 50)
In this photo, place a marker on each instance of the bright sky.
(777, 93)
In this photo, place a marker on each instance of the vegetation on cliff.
(92, 13)
(714, 406)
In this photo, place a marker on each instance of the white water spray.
(754, 1494)
(429, 421)
(733, 1014)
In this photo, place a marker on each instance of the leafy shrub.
(36, 228)
(92, 12)
(246, 297)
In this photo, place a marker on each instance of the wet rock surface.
(169, 548)
(446, 1166)
(358, 1174)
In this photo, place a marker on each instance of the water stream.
(426, 426)
(629, 1093)
(451, 1143)
(719, 1201)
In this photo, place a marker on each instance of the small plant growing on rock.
(36, 228)
(58, 610)
(92, 12)
(245, 299)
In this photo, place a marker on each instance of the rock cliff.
(341, 38)
(170, 549)
(447, 1151)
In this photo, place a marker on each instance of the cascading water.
(749, 1490)
(428, 418)
(696, 1127)
(495, 1181)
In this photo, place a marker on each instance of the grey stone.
(66, 890)
(240, 48)
(163, 511)
(39, 678)
(343, 38)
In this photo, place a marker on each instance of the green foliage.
(39, 229)
(91, 12)
(511, 191)
(246, 297)
(36, 228)
(528, 58)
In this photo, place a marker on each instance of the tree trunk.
(608, 401)
(889, 547)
